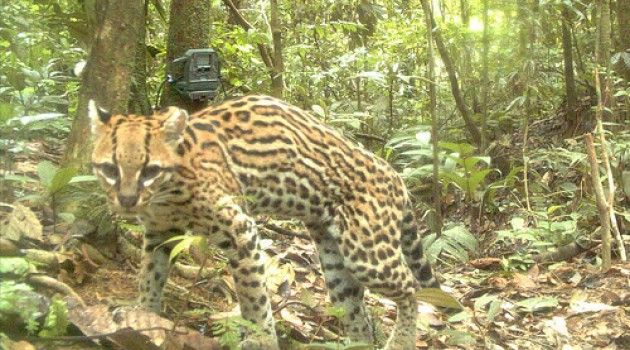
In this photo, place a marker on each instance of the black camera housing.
(201, 74)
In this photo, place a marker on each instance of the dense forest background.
(509, 120)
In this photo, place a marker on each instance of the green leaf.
(476, 178)
(21, 178)
(553, 208)
(538, 304)
(484, 300)
(83, 178)
(460, 316)
(461, 148)
(493, 310)
(438, 297)
(67, 217)
(375, 76)
(517, 223)
(46, 172)
(457, 337)
(462, 236)
(319, 110)
(352, 122)
(14, 266)
(62, 178)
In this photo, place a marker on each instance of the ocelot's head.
(134, 155)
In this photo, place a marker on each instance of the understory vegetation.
(489, 117)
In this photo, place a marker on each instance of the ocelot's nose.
(127, 201)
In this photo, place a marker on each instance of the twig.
(285, 232)
(264, 52)
(310, 308)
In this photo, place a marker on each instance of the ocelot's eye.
(151, 171)
(109, 170)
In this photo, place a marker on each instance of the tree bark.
(277, 78)
(139, 102)
(110, 63)
(189, 28)
(521, 16)
(484, 74)
(569, 78)
(437, 188)
(623, 47)
(600, 200)
(602, 55)
(452, 76)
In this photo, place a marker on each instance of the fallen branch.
(57, 285)
(565, 252)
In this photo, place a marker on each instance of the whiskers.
(166, 196)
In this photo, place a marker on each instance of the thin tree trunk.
(139, 102)
(600, 200)
(484, 74)
(523, 29)
(266, 57)
(110, 63)
(602, 55)
(569, 79)
(189, 28)
(623, 66)
(452, 75)
(277, 79)
(437, 194)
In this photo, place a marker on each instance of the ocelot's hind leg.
(375, 258)
(414, 253)
(345, 291)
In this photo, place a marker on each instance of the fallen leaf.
(138, 329)
(522, 281)
(22, 222)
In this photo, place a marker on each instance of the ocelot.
(213, 171)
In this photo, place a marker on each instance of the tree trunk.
(139, 102)
(523, 29)
(106, 75)
(189, 28)
(437, 187)
(623, 47)
(452, 75)
(569, 79)
(277, 79)
(602, 55)
(485, 81)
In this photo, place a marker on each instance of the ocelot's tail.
(414, 254)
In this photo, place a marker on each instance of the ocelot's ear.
(174, 125)
(99, 117)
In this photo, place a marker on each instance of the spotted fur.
(179, 173)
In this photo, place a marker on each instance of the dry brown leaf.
(279, 275)
(486, 263)
(522, 281)
(137, 329)
(290, 317)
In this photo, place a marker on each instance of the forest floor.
(563, 305)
